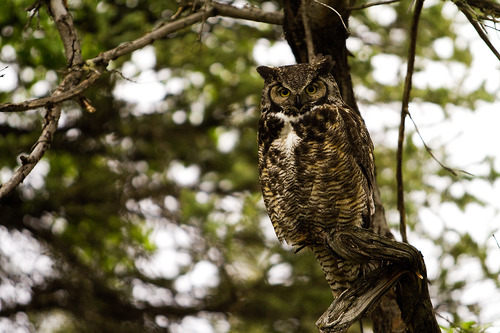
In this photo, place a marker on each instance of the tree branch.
(251, 13)
(468, 12)
(397, 261)
(162, 31)
(404, 112)
(71, 86)
(64, 24)
(69, 37)
(62, 96)
(486, 6)
(371, 4)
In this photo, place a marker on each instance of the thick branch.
(67, 31)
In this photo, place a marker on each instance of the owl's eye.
(284, 92)
(311, 89)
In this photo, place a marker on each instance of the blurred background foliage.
(147, 216)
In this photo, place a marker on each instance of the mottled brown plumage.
(315, 163)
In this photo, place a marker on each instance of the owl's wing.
(362, 151)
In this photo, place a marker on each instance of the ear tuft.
(266, 72)
(324, 64)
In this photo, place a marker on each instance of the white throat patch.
(288, 138)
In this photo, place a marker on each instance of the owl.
(316, 164)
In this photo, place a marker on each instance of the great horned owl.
(315, 163)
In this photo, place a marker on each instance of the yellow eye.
(284, 92)
(311, 89)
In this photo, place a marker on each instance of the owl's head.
(296, 89)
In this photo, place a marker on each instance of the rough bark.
(329, 35)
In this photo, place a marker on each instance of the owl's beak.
(298, 102)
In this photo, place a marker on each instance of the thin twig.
(498, 245)
(404, 112)
(466, 10)
(35, 8)
(371, 4)
(336, 12)
(2, 69)
(454, 172)
(307, 29)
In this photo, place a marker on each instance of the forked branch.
(80, 77)
(64, 22)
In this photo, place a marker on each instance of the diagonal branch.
(468, 12)
(361, 298)
(404, 112)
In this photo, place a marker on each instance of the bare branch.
(498, 245)
(158, 33)
(67, 31)
(43, 143)
(55, 98)
(63, 21)
(336, 12)
(251, 13)
(404, 112)
(454, 172)
(371, 4)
